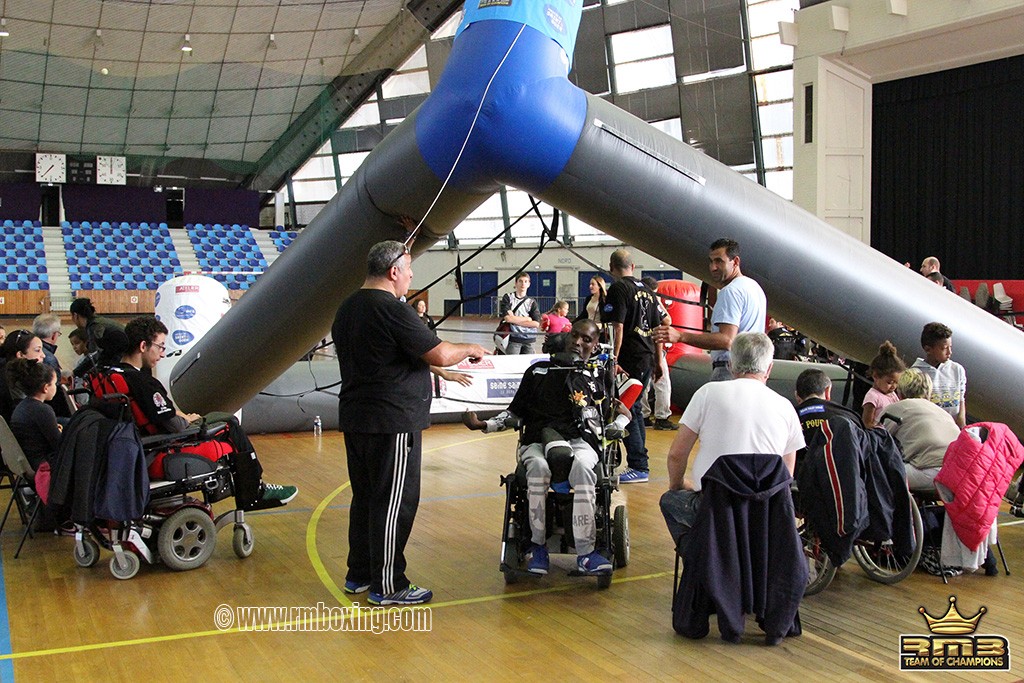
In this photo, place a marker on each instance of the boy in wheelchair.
(558, 407)
(155, 414)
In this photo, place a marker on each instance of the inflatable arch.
(504, 112)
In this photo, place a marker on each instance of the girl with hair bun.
(33, 422)
(885, 371)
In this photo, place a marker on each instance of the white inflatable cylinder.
(189, 306)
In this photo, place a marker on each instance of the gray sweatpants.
(583, 480)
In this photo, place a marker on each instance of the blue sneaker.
(593, 564)
(413, 595)
(538, 563)
(354, 587)
(631, 476)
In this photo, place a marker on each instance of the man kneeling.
(551, 402)
(155, 413)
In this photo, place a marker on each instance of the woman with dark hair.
(595, 302)
(83, 315)
(421, 310)
(33, 422)
(19, 344)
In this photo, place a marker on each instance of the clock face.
(110, 170)
(51, 168)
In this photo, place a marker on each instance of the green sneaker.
(275, 493)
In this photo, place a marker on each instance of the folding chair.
(17, 464)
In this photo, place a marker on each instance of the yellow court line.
(322, 574)
(314, 554)
(279, 626)
(314, 522)
(536, 591)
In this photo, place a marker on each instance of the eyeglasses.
(162, 347)
(405, 252)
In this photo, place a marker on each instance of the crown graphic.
(952, 623)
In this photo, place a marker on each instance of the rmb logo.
(953, 645)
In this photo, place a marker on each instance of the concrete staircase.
(61, 294)
(186, 252)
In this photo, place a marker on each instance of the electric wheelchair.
(178, 526)
(611, 514)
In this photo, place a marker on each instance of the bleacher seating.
(122, 255)
(228, 252)
(24, 258)
(282, 238)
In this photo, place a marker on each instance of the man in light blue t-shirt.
(741, 307)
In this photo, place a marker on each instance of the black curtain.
(948, 169)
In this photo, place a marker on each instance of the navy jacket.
(853, 486)
(745, 556)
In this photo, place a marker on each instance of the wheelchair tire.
(129, 569)
(820, 570)
(90, 554)
(242, 541)
(878, 561)
(620, 536)
(187, 539)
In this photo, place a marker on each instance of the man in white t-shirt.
(741, 307)
(739, 416)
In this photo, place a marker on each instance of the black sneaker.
(664, 425)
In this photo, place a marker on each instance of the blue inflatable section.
(530, 122)
(559, 20)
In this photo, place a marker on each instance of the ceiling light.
(186, 46)
(98, 38)
(355, 36)
(273, 42)
(3, 28)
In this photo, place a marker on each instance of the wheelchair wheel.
(880, 563)
(242, 541)
(820, 570)
(89, 554)
(620, 536)
(187, 539)
(128, 569)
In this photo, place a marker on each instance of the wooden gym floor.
(63, 622)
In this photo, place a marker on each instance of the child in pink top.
(885, 371)
(556, 320)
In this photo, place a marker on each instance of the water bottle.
(318, 426)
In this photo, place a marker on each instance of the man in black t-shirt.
(631, 311)
(384, 353)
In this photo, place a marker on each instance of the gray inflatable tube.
(643, 187)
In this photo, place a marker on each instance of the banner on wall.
(189, 306)
(495, 381)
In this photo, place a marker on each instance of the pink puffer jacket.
(977, 468)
